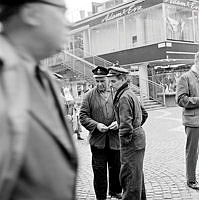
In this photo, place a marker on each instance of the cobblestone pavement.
(164, 164)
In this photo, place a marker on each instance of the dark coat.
(91, 113)
(38, 159)
(187, 96)
(130, 117)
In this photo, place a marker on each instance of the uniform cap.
(116, 71)
(100, 72)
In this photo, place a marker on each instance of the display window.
(179, 23)
(167, 76)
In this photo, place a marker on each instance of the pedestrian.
(130, 117)
(76, 122)
(97, 116)
(38, 158)
(187, 96)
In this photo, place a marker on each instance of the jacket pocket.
(125, 140)
(139, 138)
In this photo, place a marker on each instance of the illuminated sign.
(184, 3)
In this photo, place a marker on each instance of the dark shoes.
(116, 195)
(193, 185)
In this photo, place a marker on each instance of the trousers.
(191, 152)
(131, 175)
(101, 158)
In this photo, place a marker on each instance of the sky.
(75, 5)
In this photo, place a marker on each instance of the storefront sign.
(125, 11)
(184, 3)
(130, 8)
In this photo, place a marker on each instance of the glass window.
(167, 76)
(196, 24)
(78, 43)
(179, 23)
(130, 26)
(144, 28)
(104, 38)
(153, 25)
(121, 33)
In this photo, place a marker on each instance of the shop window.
(167, 76)
(179, 23)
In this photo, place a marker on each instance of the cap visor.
(110, 75)
(99, 76)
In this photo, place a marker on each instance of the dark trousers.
(191, 152)
(131, 175)
(100, 159)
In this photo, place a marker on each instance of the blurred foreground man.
(130, 116)
(38, 159)
(187, 96)
(97, 116)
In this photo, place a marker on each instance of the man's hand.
(113, 125)
(102, 128)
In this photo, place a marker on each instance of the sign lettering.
(125, 11)
(184, 3)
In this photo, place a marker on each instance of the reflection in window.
(167, 76)
(144, 28)
(153, 24)
(104, 38)
(179, 23)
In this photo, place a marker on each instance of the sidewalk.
(164, 164)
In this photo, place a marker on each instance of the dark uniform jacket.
(187, 96)
(38, 159)
(130, 117)
(91, 113)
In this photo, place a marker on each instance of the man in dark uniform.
(97, 116)
(38, 160)
(130, 116)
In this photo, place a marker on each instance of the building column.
(143, 80)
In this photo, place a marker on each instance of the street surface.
(164, 164)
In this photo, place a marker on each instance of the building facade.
(155, 39)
